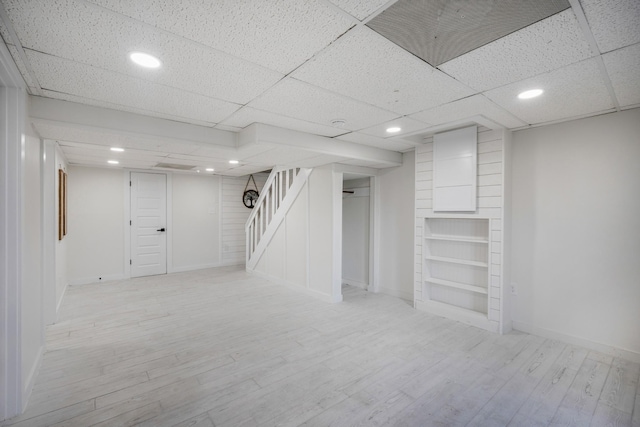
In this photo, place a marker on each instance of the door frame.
(127, 217)
(374, 212)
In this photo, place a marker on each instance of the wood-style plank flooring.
(218, 347)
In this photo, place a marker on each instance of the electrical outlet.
(514, 289)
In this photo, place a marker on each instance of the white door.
(148, 224)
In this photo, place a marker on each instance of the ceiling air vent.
(440, 30)
(174, 166)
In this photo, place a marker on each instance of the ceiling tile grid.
(60, 75)
(360, 9)
(572, 91)
(614, 23)
(293, 98)
(366, 66)
(277, 34)
(544, 46)
(466, 108)
(623, 67)
(90, 35)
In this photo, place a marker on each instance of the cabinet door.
(454, 170)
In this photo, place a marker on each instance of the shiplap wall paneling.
(234, 217)
(454, 170)
(490, 203)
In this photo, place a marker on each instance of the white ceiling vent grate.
(174, 166)
(440, 30)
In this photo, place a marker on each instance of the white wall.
(234, 217)
(396, 193)
(32, 292)
(95, 224)
(195, 221)
(206, 216)
(355, 232)
(62, 279)
(576, 231)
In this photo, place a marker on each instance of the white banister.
(276, 197)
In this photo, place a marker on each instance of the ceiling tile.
(299, 100)
(372, 141)
(84, 33)
(572, 91)
(366, 66)
(614, 24)
(466, 108)
(623, 67)
(544, 46)
(279, 35)
(61, 75)
(359, 8)
(406, 124)
(247, 115)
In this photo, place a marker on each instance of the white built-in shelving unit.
(456, 261)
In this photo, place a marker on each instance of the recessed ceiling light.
(338, 122)
(393, 129)
(234, 162)
(209, 169)
(530, 93)
(113, 162)
(145, 60)
(118, 149)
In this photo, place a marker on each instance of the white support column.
(12, 119)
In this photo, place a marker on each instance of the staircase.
(278, 194)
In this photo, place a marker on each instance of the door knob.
(160, 229)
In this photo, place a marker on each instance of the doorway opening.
(357, 235)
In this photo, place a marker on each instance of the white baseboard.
(296, 287)
(582, 342)
(407, 296)
(91, 280)
(194, 267)
(31, 378)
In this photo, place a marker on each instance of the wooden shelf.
(463, 286)
(457, 239)
(457, 261)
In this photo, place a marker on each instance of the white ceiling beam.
(124, 123)
(261, 133)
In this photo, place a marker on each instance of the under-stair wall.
(303, 249)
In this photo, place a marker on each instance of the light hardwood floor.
(219, 347)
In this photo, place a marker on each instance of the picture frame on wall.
(62, 204)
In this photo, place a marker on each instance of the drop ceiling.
(300, 65)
